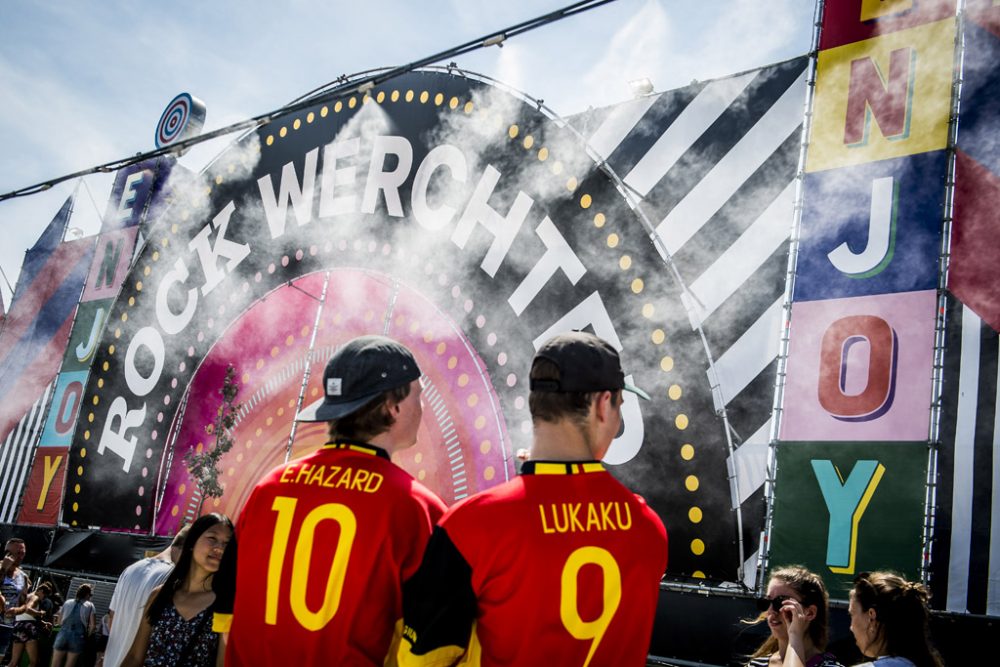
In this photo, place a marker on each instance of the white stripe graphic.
(750, 462)
(755, 349)
(15, 443)
(23, 447)
(618, 124)
(961, 494)
(993, 582)
(697, 117)
(750, 570)
(742, 259)
(726, 177)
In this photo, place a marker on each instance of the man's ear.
(603, 405)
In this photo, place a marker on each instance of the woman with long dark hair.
(176, 628)
(796, 610)
(889, 621)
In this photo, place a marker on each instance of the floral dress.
(175, 641)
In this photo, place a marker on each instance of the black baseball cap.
(360, 371)
(586, 364)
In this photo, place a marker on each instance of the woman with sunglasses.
(889, 621)
(796, 610)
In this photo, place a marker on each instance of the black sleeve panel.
(439, 605)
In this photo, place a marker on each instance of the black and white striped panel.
(17, 454)
(713, 166)
(966, 551)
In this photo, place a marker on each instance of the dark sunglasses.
(774, 603)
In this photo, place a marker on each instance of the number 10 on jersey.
(302, 557)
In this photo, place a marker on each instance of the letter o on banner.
(69, 406)
(876, 397)
(151, 339)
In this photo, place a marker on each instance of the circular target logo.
(182, 119)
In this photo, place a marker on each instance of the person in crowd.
(336, 533)
(28, 627)
(889, 621)
(49, 606)
(560, 565)
(176, 628)
(132, 592)
(14, 587)
(102, 640)
(77, 621)
(796, 610)
(14, 583)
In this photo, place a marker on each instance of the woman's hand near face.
(796, 621)
(794, 617)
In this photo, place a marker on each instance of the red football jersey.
(560, 566)
(325, 544)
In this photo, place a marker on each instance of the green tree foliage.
(204, 467)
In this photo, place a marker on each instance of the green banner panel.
(841, 508)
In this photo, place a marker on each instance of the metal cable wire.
(336, 89)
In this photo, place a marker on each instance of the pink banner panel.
(111, 263)
(860, 368)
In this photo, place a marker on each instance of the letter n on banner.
(111, 261)
(845, 507)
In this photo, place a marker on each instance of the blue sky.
(85, 81)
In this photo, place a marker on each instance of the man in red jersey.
(327, 540)
(560, 566)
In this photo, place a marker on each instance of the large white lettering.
(332, 177)
(503, 228)
(591, 312)
(442, 156)
(558, 255)
(129, 194)
(387, 181)
(209, 255)
(115, 439)
(289, 191)
(173, 323)
(149, 338)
